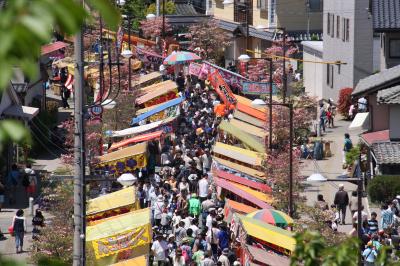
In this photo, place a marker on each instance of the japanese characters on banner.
(233, 79)
(221, 87)
(125, 164)
(125, 241)
(147, 57)
(258, 88)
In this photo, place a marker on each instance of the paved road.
(331, 168)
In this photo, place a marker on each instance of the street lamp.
(151, 16)
(127, 53)
(109, 104)
(20, 88)
(258, 102)
(227, 2)
(127, 179)
(244, 58)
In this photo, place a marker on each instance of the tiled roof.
(387, 152)
(185, 10)
(382, 80)
(389, 96)
(386, 15)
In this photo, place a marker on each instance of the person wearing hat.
(369, 254)
(178, 259)
(224, 257)
(341, 201)
(194, 205)
(158, 209)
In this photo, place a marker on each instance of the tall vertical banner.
(221, 87)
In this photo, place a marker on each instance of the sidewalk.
(331, 168)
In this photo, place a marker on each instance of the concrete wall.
(386, 61)
(394, 124)
(223, 12)
(356, 52)
(294, 16)
(312, 75)
(379, 114)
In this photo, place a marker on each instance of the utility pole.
(129, 47)
(158, 8)
(79, 157)
(163, 20)
(284, 66)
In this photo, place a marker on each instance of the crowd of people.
(186, 215)
(376, 232)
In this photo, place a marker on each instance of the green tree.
(170, 8)
(136, 9)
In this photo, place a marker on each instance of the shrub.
(344, 101)
(353, 155)
(384, 188)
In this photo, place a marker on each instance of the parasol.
(180, 57)
(273, 217)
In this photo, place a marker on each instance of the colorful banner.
(231, 78)
(128, 240)
(123, 165)
(162, 99)
(195, 69)
(258, 88)
(221, 87)
(147, 57)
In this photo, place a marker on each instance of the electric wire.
(47, 138)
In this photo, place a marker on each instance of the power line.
(47, 138)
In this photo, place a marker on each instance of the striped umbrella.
(180, 57)
(273, 217)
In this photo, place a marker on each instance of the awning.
(249, 119)
(161, 90)
(263, 256)
(268, 233)
(247, 171)
(52, 47)
(360, 121)
(156, 110)
(139, 261)
(140, 138)
(20, 111)
(244, 194)
(241, 135)
(147, 109)
(149, 77)
(156, 86)
(248, 128)
(238, 154)
(376, 136)
(243, 181)
(232, 207)
(118, 199)
(126, 152)
(251, 111)
(140, 129)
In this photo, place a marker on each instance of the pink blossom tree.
(153, 28)
(208, 39)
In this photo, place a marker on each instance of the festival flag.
(221, 87)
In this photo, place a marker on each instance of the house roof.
(387, 152)
(377, 136)
(389, 96)
(386, 15)
(185, 9)
(382, 80)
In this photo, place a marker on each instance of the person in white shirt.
(210, 217)
(203, 188)
(159, 248)
(364, 216)
(206, 159)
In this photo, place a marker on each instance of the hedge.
(384, 188)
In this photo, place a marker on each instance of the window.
(262, 4)
(328, 27)
(272, 11)
(343, 29)
(328, 74)
(394, 48)
(314, 5)
(333, 26)
(219, 4)
(347, 30)
(331, 67)
(338, 27)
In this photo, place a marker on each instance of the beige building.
(301, 19)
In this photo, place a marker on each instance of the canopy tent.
(260, 200)
(232, 206)
(136, 139)
(268, 233)
(127, 232)
(124, 160)
(238, 154)
(141, 129)
(168, 90)
(258, 255)
(139, 261)
(249, 119)
(156, 87)
(145, 80)
(52, 47)
(121, 198)
(241, 135)
(242, 170)
(156, 110)
(251, 111)
(242, 181)
(248, 128)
